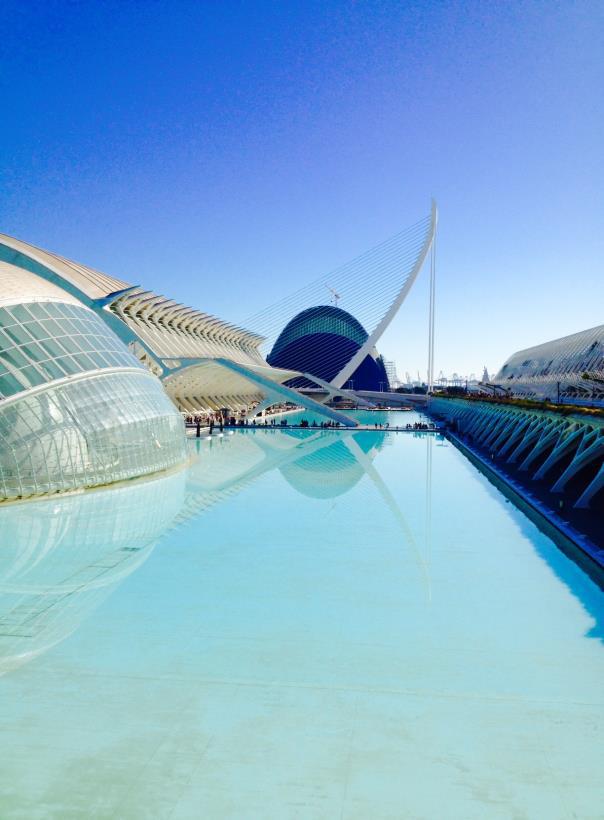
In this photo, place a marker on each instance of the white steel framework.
(570, 368)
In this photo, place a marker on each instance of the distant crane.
(335, 296)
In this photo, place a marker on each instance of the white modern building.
(204, 363)
(77, 409)
(95, 373)
(571, 368)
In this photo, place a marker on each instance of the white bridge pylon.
(347, 371)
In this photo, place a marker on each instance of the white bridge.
(370, 397)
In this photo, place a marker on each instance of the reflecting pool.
(302, 624)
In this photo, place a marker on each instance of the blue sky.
(226, 153)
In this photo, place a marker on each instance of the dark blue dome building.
(321, 340)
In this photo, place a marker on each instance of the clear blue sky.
(225, 153)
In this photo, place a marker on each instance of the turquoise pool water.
(303, 624)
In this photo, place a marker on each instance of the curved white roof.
(92, 283)
(161, 317)
(19, 286)
(575, 361)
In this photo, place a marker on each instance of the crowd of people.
(220, 421)
(421, 425)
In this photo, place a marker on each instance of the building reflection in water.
(60, 557)
(320, 464)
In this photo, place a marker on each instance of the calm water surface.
(303, 624)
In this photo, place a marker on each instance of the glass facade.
(44, 341)
(91, 431)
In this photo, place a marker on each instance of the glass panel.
(69, 364)
(90, 344)
(6, 318)
(34, 352)
(19, 334)
(84, 361)
(15, 357)
(53, 347)
(20, 314)
(86, 343)
(86, 433)
(53, 328)
(114, 359)
(52, 370)
(80, 326)
(99, 359)
(68, 327)
(69, 344)
(9, 385)
(70, 310)
(55, 309)
(5, 341)
(37, 330)
(31, 376)
(37, 310)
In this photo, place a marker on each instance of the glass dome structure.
(77, 409)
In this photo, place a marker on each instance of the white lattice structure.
(572, 367)
(183, 346)
(204, 363)
(77, 409)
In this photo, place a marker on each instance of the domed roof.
(320, 319)
(18, 286)
(321, 340)
(89, 282)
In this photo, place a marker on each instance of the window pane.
(68, 327)
(80, 326)
(18, 333)
(69, 365)
(31, 376)
(52, 370)
(15, 357)
(84, 361)
(86, 343)
(37, 330)
(99, 359)
(37, 310)
(55, 309)
(54, 348)
(6, 318)
(53, 327)
(70, 310)
(5, 341)
(35, 352)
(69, 344)
(9, 385)
(20, 313)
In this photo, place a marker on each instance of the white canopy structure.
(192, 352)
(571, 368)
